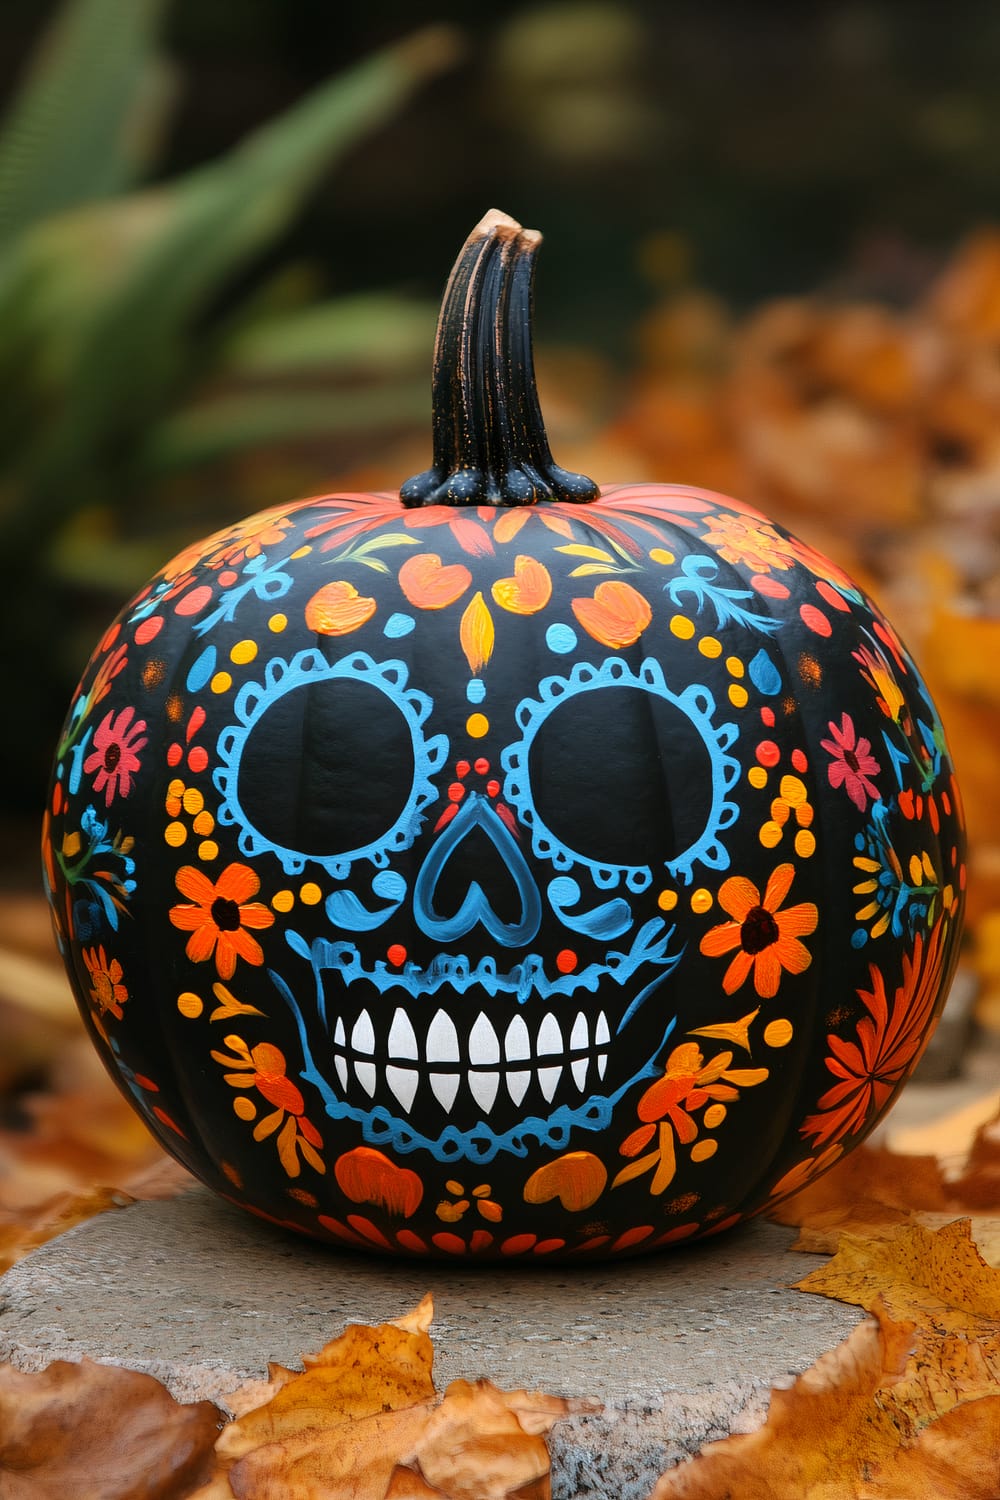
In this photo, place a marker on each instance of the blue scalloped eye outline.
(311, 666)
(696, 702)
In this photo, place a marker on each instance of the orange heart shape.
(430, 584)
(616, 616)
(577, 1179)
(337, 609)
(528, 591)
(368, 1176)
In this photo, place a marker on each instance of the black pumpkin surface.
(506, 868)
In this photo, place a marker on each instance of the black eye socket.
(327, 768)
(620, 776)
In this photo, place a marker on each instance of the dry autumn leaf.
(363, 1421)
(95, 1432)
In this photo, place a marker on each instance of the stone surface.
(682, 1347)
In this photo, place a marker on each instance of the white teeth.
(578, 1036)
(366, 1076)
(579, 1071)
(483, 1088)
(403, 1082)
(340, 1063)
(517, 1043)
(549, 1037)
(483, 1044)
(442, 1044)
(445, 1087)
(339, 1034)
(363, 1035)
(517, 1085)
(402, 1041)
(602, 1063)
(601, 1032)
(548, 1081)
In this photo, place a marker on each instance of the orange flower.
(107, 991)
(888, 1044)
(219, 916)
(766, 937)
(747, 540)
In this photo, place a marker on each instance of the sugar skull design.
(506, 880)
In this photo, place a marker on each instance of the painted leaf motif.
(477, 634)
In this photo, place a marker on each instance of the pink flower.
(115, 756)
(852, 763)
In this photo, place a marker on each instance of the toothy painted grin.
(535, 1067)
(474, 1060)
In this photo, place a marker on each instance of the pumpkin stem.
(490, 445)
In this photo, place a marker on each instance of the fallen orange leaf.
(95, 1432)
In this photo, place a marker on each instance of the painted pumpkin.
(506, 868)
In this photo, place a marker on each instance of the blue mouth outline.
(481, 1144)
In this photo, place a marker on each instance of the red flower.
(889, 1041)
(218, 919)
(852, 763)
(115, 756)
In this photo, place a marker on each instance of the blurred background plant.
(770, 268)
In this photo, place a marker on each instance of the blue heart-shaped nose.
(475, 813)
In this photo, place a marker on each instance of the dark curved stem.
(490, 445)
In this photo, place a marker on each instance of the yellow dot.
(757, 777)
(916, 872)
(310, 893)
(709, 646)
(193, 801)
(804, 815)
(176, 788)
(770, 835)
(667, 900)
(277, 623)
(734, 666)
(190, 1005)
(301, 552)
(477, 725)
(805, 843)
(793, 790)
(243, 652)
(701, 901)
(738, 696)
(714, 1115)
(682, 627)
(175, 834)
(661, 555)
(702, 1150)
(221, 682)
(208, 850)
(283, 900)
(778, 1033)
(244, 1107)
(204, 823)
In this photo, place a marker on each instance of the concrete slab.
(682, 1347)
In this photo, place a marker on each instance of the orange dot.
(835, 600)
(174, 755)
(566, 961)
(198, 758)
(456, 791)
(767, 717)
(396, 954)
(799, 760)
(492, 788)
(482, 766)
(477, 725)
(768, 753)
(462, 768)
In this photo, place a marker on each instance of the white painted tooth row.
(484, 1050)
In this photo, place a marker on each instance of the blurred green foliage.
(140, 337)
